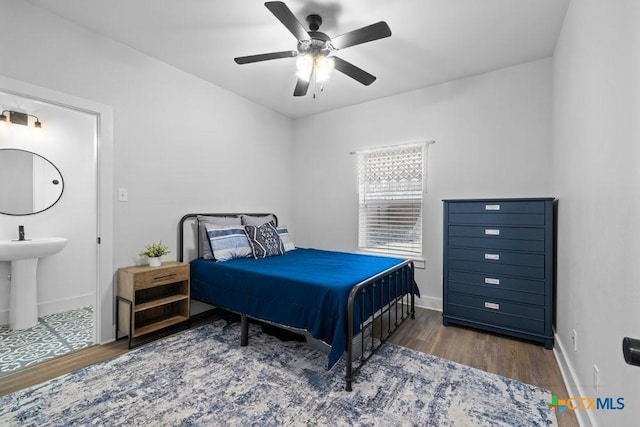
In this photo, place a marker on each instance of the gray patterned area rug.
(203, 377)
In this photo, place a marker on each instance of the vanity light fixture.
(19, 118)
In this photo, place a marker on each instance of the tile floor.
(54, 335)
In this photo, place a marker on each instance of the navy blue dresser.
(498, 266)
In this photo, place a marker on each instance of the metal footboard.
(398, 303)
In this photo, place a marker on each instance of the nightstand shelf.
(150, 299)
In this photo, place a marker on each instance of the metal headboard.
(193, 216)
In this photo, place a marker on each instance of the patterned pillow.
(264, 240)
(228, 241)
(283, 232)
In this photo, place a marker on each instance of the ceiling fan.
(316, 50)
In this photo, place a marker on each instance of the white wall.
(68, 140)
(596, 175)
(180, 143)
(493, 134)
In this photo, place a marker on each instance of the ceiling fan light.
(304, 64)
(324, 66)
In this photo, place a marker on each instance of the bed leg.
(413, 289)
(244, 330)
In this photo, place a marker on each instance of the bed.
(336, 297)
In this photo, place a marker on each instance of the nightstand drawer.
(497, 281)
(497, 311)
(149, 279)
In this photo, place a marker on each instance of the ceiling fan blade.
(301, 87)
(352, 71)
(266, 56)
(288, 19)
(376, 31)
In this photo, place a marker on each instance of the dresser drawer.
(496, 219)
(498, 207)
(508, 269)
(497, 281)
(488, 291)
(498, 237)
(497, 312)
(497, 257)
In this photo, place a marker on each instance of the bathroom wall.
(17, 195)
(68, 139)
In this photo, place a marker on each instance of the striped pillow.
(283, 232)
(228, 241)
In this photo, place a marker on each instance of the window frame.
(373, 195)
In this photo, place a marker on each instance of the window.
(391, 183)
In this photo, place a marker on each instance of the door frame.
(103, 325)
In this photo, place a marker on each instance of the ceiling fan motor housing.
(314, 22)
(319, 44)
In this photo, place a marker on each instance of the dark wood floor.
(512, 358)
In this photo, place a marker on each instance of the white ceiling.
(432, 41)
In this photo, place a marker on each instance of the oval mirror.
(29, 183)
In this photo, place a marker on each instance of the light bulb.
(304, 65)
(324, 66)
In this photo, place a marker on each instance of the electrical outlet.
(574, 339)
(596, 378)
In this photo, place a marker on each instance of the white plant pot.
(154, 261)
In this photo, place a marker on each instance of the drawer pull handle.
(494, 257)
(166, 276)
(491, 232)
(491, 281)
(492, 305)
(491, 207)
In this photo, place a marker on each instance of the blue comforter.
(305, 288)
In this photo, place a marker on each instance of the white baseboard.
(65, 304)
(570, 381)
(430, 303)
(58, 306)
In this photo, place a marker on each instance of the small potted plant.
(154, 251)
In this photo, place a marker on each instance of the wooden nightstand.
(151, 298)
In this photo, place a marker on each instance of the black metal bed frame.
(399, 304)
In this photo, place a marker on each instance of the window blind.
(391, 183)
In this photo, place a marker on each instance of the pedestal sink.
(24, 255)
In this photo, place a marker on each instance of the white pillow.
(283, 232)
(228, 241)
(257, 220)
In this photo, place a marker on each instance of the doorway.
(70, 283)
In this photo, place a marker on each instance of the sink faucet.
(21, 232)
